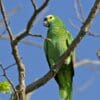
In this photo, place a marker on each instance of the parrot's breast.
(57, 46)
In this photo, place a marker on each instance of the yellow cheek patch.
(49, 20)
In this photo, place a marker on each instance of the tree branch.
(98, 54)
(21, 71)
(85, 28)
(7, 78)
(5, 21)
(40, 36)
(10, 13)
(15, 52)
(24, 41)
(79, 11)
(80, 17)
(34, 5)
(85, 62)
(84, 85)
(93, 35)
(31, 22)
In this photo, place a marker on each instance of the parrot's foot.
(54, 70)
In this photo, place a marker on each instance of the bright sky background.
(87, 78)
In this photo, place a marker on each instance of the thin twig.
(34, 5)
(85, 62)
(80, 16)
(84, 85)
(98, 54)
(15, 52)
(79, 11)
(84, 29)
(40, 36)
(6, 21)
(24, 41)
(7, 78)
(10, 13)
(10, 66)
(74, 25)
(93, 35)
(30, 23)
(2, 34)
(88, 33)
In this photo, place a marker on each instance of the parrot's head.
(52, 20)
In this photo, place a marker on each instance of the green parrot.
(57, 42)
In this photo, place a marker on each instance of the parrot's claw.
(54, 70)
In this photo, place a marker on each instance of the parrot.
(57, 41)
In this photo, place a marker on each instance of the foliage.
(5, 87)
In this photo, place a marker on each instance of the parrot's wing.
(46, 50)
(69, 38)
(68, 43)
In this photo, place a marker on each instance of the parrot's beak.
(45, 23)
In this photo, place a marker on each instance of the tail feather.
(64, 78)
(65, 94)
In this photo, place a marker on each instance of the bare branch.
(93, 35)
(5, 20)
(28, 42)
(15, 52)
(30, 22)
(85, 62)
(79, 11)
(10, 66)
(40, 82)
(80, 16)
(40, 36)
(10, 13)
(85, 85)
(98, 53)
(7, 78)
(57, 66)
(43, 5)
(21, 71)
(74, 25)
(24, 41)
(2, 34)
(88, 33)
(34, 5)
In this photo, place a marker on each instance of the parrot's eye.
(50, 17)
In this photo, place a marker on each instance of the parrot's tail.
(64, 78)
(65, 93)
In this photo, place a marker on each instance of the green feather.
(60, 40)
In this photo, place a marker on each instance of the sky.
(86, 80)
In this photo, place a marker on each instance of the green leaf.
(5, 87)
